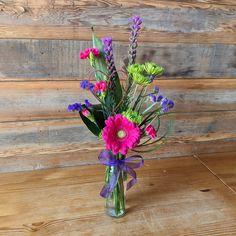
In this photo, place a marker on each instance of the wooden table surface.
(182, 196)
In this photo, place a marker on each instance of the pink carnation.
(120, 134)
(85, 54)
(150, 130)
(95, 52)
(100, 86)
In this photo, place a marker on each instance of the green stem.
(149, 108)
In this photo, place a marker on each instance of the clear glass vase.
(115, 204)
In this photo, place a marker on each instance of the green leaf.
(99, 63)
(91, 125)
(99, 115)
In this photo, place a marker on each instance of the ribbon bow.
(126, 165)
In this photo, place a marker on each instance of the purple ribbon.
(126, 165)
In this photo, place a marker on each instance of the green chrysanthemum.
(153, 69)
(135, 68)
(141, 79)
(133, 116)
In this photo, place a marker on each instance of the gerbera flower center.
(121, 133)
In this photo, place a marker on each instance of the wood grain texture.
(59, 58)
(168, 21)
(223, 166)
(188, 127)
(49, 99)
(58, 143)
(165, 18)
(223, 4)
(40, 74)
(117, 33)
(46, 157)
(170, 195)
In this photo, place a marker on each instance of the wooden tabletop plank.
(223, 166)
(172, 197)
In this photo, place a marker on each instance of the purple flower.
(152, 77)
(87, 103)
(165, 109)
(75, 107)
(84, 84)
(136, 21)
(91, 87)
(170, 104)
(156, 89)
(153, 97)
(107, 43)
(164, 102)
(159, 98)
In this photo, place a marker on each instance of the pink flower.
(120, 134)
(100, 86)
(150, 130)
(85, 112)
(95, 52)
(85, 54)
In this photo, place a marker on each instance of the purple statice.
(136, 21)
(85, 84)
(108, 53)
(91, 87)
(167, 106)
(160, 97)
(75, 107)
(156, 89)
(87, 103)
(152, 97)
(164, 102)
(165, 109)
(171, 104)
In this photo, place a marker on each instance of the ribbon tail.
(133, 181)
(108, 188)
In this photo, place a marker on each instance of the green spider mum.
(141, 79)
(153, 69)
(133, 116)
(135, 68)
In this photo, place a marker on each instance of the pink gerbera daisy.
(120, 134)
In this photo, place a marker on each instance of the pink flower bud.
(150, 130)
(85, 112)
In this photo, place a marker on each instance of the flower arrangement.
(128, 114)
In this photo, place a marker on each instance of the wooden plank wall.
(40, 72)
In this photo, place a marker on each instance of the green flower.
(141, 79)
(135, 68)
(133, 116)
(153, 69)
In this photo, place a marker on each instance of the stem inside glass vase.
(115, 203)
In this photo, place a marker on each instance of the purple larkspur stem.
(136, 21)
(107, 43)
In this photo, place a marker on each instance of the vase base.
(113, 213)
